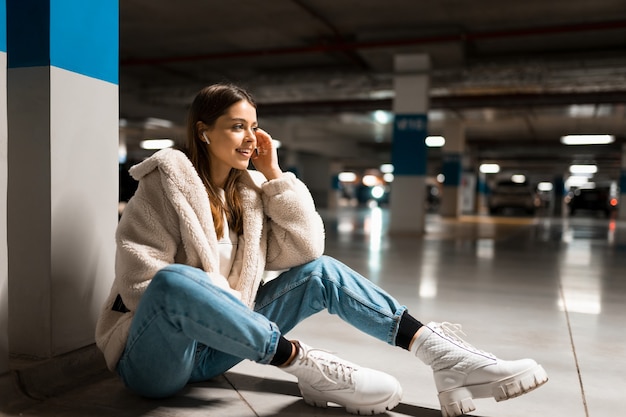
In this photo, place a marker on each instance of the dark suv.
(592, 200)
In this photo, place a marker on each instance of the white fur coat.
(169, 220)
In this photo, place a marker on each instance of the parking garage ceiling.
(519, 74)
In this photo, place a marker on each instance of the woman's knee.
(325, 263)
(175, 275)
(324, 276)
(172, 281)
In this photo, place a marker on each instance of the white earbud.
(206, 139)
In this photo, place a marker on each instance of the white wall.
(63, 193)
(84, 130)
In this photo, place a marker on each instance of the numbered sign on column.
(409, 152)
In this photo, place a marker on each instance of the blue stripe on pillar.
(559, 186)
(85, 37)
(622, 182)
(451, 168)
(28, 28)
(409, 152)
(481, 186)
(76, 35)
(3, 26)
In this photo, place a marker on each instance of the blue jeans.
(186, 329)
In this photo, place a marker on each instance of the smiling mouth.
(245, 152)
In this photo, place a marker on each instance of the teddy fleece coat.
(169, 220)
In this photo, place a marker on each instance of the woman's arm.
(296, 231)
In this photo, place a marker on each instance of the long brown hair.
(209, 104)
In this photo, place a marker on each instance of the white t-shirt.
(227, 246)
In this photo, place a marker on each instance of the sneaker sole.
(321, 399)
(458, 401)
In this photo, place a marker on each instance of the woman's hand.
(265, 160)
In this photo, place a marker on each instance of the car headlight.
(377, 192)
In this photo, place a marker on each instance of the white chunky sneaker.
(463, 372)
(324, 378)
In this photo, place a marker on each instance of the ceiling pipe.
(457, 102)
(347, 46)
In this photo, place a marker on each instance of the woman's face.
(232, 140)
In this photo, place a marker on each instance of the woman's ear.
(201, 129)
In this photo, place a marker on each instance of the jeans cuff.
(393, 331)
(273, 345)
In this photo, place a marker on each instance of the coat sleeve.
(295, 229)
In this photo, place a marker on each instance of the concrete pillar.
(558, 193)
(4, 295)
(314, 173)
(334, 191)
(62, 170)
(482, 189)
(452, 169)
(409, 154)
(621, 213)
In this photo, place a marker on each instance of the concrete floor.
(546, 288)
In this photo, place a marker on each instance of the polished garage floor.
(548, 288)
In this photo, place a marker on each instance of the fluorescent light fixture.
(382, 117)
(583, 169)
(156, 143)
(576, 181)
(386, 168)
(489, 168)
(435, 141)
(545, 186)
(156, 123)
(347, 176)
(518, 178)
(587, 139)
(581, 110)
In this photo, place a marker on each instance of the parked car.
(592, 200)
(513, 197)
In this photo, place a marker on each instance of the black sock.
(283, 352)
(406, 330)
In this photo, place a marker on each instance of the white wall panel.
(84, 191)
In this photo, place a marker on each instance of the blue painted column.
(409, 152)
(558, 193)
(4, 295)
(621, 213)
(452, 167)
(62, 169)
(482, 192)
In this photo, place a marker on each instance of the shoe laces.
(454, 332)
(327, 364)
